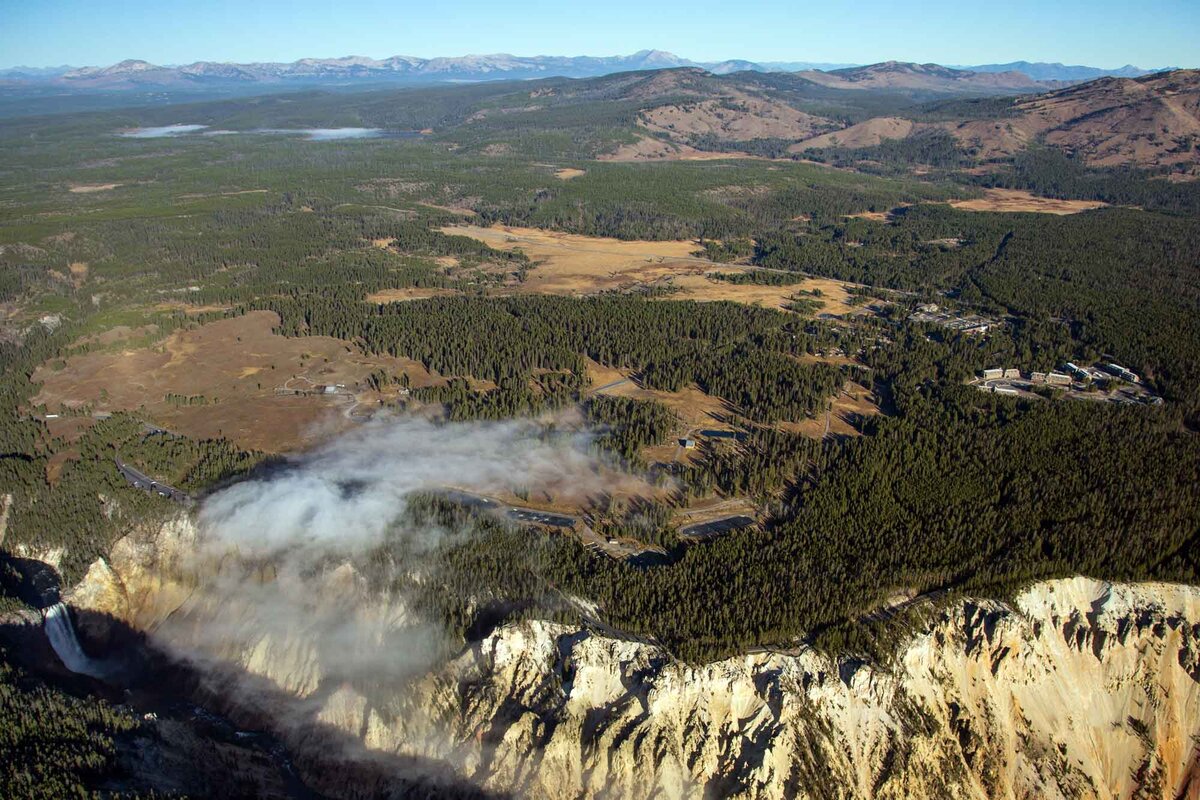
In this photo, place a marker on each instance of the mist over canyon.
(1078, 688)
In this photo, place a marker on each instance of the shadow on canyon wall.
(213, 730)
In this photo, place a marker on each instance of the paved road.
(887, 612)
(706, 530)
(535, 517)
(610, 385)
(141, 480)
(473, 501)
(521, 514)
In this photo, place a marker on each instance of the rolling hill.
(1151, 121)
(900, 76)
(692, 112)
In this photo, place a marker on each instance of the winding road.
(141, 480)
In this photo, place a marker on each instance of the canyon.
(1074, 688)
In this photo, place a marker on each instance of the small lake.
(159, 132)
(309, 134)
(333, 134)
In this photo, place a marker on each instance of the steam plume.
(345, 494)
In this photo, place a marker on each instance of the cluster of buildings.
(1122, 373)
(1116, 383)
(1043, 378)
(1072, 373)
(969, 324)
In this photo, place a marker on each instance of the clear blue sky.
(1105, 33)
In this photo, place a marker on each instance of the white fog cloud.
(345, 494)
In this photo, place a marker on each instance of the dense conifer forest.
(946, 488)
(56, 745)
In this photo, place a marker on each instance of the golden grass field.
(694, 408)
(570, 264)
(89, 188)
(1016, 200)
(240, 366)
(409, 293)
(237, 364)
(853, 400)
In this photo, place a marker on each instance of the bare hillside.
(738, 118)
(924, 77)
(1152, 121)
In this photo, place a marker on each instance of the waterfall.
(61, 634)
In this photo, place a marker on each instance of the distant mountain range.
(135, 74)
(1041, 71)
(905, 77)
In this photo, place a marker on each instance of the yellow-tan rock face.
(1079, 689)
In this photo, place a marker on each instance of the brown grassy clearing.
(462, 212)
(835, 298)
(854, 400)
(79, 272)
(236, 364)
(756, 118)
(567, 173)
(222, 194)
(55, 464)
(864, 134)
(715, 507)
(839, 361)
(874, 216)
(117, 334)
(570, 264)
(88, 188)
(1010, 200)
(410, 293)
(886, 217)
(68, 428)
(694, 408)
(190, 310)
(647, 148)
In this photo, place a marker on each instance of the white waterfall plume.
(61, 634)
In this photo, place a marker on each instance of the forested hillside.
(56, 745)
(121, 248)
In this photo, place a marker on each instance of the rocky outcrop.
(1079, 688)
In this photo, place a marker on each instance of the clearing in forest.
(88, 188)
(234, 378)
(1017, 200)
(407, 293)
(852, 403)
(571, 264)
(649, 148)
(693, 407)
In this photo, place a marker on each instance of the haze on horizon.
(1100, 33)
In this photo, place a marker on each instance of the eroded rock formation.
(1078, 689)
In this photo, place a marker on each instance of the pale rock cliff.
(1079, 689)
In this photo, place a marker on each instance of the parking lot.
(716, 527)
